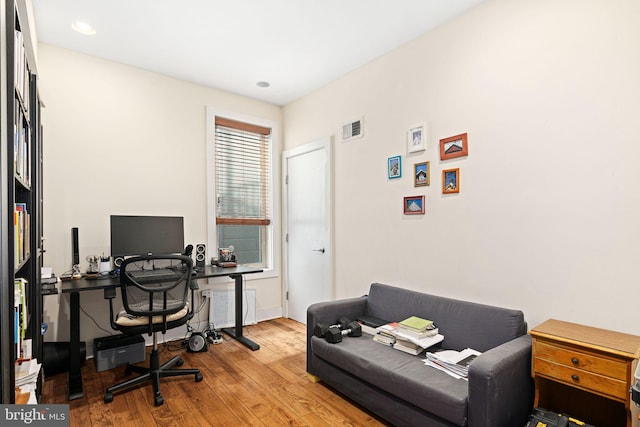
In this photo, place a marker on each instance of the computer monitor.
(141, 235)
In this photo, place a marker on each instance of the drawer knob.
(575, 360)
(575, 377)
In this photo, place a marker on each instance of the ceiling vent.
(352, 130)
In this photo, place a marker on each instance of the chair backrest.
(155, 286)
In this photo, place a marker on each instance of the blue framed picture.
(394, 167)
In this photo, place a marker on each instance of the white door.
(308, 246)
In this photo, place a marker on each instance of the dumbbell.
(334, 334)
(320, 330)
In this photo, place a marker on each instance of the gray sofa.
(399, 388)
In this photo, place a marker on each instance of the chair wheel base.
(198, 377)
(179, 362)
(158, 400)
(108, 397)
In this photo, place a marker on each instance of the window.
(243, 189)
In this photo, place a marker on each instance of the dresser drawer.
(578, 378)
(615, 369)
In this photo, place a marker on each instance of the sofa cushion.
(463, 324)
(398, 373)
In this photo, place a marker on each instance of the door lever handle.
(321, 250)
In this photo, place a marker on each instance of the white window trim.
(274, 236)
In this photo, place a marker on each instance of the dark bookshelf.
(20, 198)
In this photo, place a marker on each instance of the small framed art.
(416, 139)
(414, 205)
(421, 174)
(394, 167)
(450, 181)
(454, 146)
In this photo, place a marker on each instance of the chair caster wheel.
(108, 397)
(199, 377)
(180, 362)
(158, 400)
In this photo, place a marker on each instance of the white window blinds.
(243, 181)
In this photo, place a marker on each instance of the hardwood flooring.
(268, 387)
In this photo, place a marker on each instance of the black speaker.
(75, 247)
(201, 255)
(55, 356)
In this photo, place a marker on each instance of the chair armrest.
(329, 312)
(500, 385)
(110, 294)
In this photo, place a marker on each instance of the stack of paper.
(26, 378)
(454, 363)
(401, 339)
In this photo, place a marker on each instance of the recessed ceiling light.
(263, 84)
(83, 28)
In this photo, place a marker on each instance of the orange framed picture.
(450, 181)
(454, 146)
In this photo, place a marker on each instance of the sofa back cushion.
(463, 324)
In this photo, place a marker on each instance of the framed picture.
(394, 167)
(414, 205)
(421, 174)
(416, 139)
(454, 146)
(450, 181)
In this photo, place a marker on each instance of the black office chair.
(153, 301)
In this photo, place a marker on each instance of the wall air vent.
(352, 130)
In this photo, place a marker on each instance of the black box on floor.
(541, 417)
(116, 350)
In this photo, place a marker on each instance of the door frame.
(324, 143)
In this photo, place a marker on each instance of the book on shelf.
(22, 233)
(21, 71)
(21, 314)
(452, 362)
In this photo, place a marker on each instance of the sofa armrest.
(329, 312)
(500, 385)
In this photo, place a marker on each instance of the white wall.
(120, 140)
(547, 220)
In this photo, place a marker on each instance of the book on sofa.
(416, 324)
(370, 324)
(399, 338)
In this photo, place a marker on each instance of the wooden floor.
(268, 387)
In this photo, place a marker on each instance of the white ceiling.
(295, 45)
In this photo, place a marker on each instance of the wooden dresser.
(585, 372)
